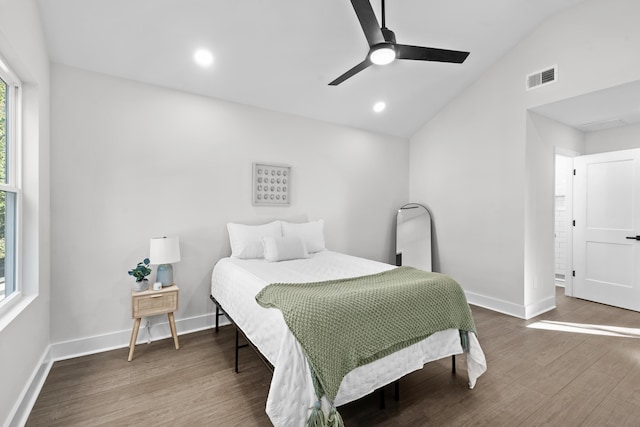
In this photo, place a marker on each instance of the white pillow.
(246, 240)
(311, 233)
(284, 248)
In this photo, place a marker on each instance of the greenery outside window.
(9, 181)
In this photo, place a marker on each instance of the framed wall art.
(271, 184)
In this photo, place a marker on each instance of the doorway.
(563, 216)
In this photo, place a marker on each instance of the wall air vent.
(543, 77)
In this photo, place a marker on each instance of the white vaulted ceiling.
(281, 54)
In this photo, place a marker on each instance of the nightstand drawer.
(152, 304)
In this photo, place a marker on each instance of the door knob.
(633, 237)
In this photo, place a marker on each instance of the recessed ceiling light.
(379, 107)
(203, 57)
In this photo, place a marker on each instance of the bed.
(238, 279)
(259, 258)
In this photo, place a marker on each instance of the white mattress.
(235, 283)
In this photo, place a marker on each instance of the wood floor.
(535, 377)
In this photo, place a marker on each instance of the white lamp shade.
(164, 250)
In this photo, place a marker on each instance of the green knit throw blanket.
(343, 324)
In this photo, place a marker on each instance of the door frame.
(568, 276)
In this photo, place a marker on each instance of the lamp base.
(164, 275)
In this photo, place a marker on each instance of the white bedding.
(235, 283)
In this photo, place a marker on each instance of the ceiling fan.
(383, 48)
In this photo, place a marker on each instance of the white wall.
(483, 180)
(24, 330)
(131, 161)
(471, 180)
(623, 138)
(543, 136)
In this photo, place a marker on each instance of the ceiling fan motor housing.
(389, 36)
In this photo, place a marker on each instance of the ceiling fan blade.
(368, 21)
(352, 72)
(430, 54)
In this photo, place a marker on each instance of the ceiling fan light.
(383, 55)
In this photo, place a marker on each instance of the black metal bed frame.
(221, 312)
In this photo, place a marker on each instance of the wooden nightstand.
(151, 303)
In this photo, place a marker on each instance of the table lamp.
(162, 252)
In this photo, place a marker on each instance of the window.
(9, 177)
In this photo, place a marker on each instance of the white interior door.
(606, 212)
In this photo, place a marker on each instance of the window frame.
(13, 176)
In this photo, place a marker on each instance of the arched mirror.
(413, 237)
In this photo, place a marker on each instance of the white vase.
(140, 286)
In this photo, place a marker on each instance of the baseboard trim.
(511, 309)
(23, 407)
(495, 304)
(533, 310)
(159, 330)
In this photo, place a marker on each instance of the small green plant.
(141, 271)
